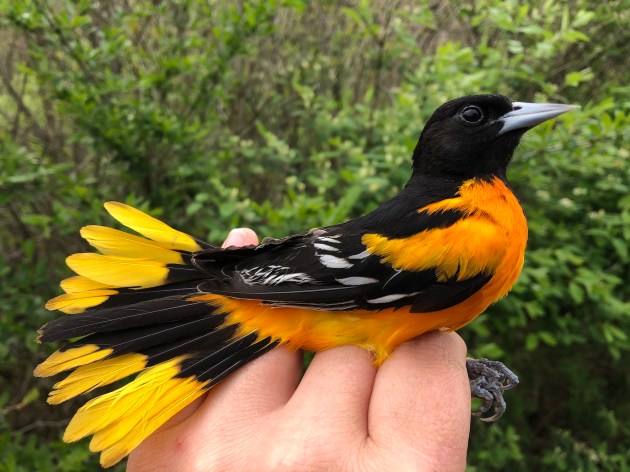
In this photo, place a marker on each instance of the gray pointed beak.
(528, 115)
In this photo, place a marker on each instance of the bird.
(172, 315)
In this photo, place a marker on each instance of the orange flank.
(314, 330)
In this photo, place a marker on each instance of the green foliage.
(285, 115)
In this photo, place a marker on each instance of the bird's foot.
(488, 380)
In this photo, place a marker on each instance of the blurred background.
(285, 115)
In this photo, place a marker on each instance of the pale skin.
(412, 414)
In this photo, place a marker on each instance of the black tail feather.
(144, 337)
(162, 310)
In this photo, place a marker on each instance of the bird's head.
(476, 135)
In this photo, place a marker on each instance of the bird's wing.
(449, 257)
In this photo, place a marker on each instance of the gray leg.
(488, 379)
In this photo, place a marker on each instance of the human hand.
(413, 413)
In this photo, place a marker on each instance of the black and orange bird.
(180, 314)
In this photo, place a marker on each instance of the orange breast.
(381, 331)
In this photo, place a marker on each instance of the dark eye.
(471, 114)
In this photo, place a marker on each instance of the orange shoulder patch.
(477, 243)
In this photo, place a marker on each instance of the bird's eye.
(471, 114)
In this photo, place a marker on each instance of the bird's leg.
(488, 379)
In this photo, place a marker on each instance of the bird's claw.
(488, 380)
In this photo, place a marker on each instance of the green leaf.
(582, 18)
(531, 342)
(576, 292)
(621, 248)
(548, 338)
(31, 396)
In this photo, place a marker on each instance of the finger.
(256, 389)
(421, 399)
(240, 237)
(335, 392)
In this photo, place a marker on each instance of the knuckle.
(287, 456)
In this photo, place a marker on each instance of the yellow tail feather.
(81, 284)
(59, 361)
(118, 243)
(122, 419)
(151, 228)
(78, 302)
(118, 440)
(118, 271)
(89, 377)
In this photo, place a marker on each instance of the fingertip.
(448, 346)
(250, 235)
(240, 237)
(340, 367)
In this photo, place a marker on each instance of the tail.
(134, 313)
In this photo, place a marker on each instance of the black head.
(476, 135)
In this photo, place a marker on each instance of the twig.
(41, 424)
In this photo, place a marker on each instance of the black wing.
(330, 269)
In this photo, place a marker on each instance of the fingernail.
(237, 237)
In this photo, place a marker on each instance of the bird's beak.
(528, 115)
